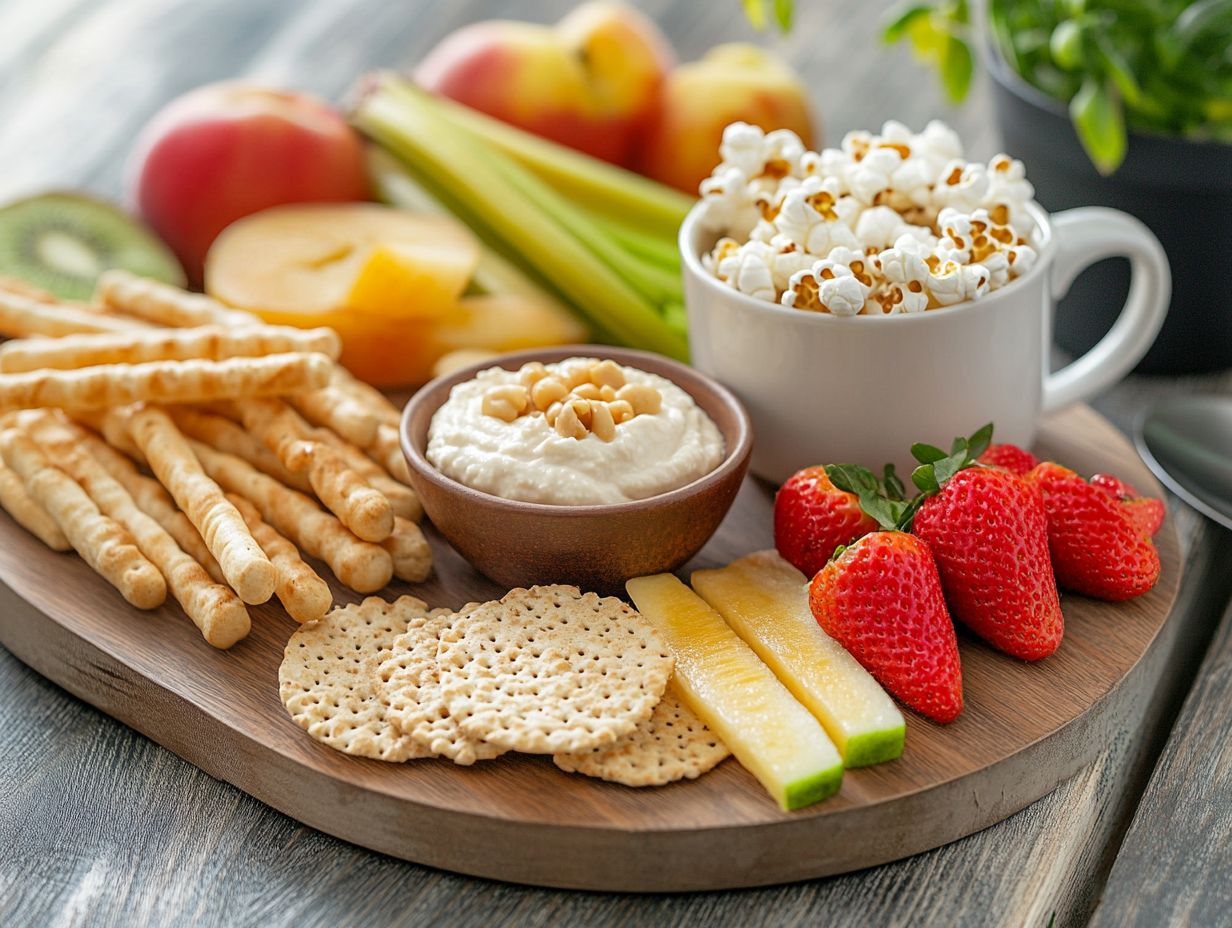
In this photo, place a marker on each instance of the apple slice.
(506, 322)
(295, 264)
(727, 685)
(765, 601)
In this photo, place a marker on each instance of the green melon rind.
(874, 747)
(812, 788)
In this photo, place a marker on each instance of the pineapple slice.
(727, 685)
(765, 601)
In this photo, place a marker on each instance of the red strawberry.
(1009, 457)
(812, 517)
(988, 531)
(1147, 512)
(881, 599)
(1097, 549)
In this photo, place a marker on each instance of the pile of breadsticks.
(183, 447)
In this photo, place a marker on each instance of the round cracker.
(673, 744)
(551, 670)
(330, 680)
(413, 693)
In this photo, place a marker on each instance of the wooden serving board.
(1026, 728)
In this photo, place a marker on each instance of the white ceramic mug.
(827, 389)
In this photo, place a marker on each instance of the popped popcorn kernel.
(826, 287)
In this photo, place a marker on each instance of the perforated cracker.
(330, 680)
(551, 670)
(673, 744)
(413, 693)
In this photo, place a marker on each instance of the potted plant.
(1121, 103)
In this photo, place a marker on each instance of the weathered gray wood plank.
(99, 826)
(1175, 863)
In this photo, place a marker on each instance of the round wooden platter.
(1026, 728)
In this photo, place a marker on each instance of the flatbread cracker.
(413, 693)
(330, 681)
(550, 670)
(673, 744)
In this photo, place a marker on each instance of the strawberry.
(1147, 512)
(881, 599)
(1009, 457)
(812, 517)
(1097, 548)
(988, 531)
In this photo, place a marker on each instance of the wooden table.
(99, 826)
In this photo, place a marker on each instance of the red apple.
(224, 151)
(590, 82)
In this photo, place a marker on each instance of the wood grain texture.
(1174, 864)
(1026, 727)
(100, 826)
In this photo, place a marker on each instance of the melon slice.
(772, 735)
(765, 601)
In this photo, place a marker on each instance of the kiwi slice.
(62, 242)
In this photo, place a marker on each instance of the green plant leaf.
(927, 38)
(784, 14)
(926, 454)
(901, 20)
(755, 13)
(1100, 123)
(852, 478)
(957, 67)
(892, 484)
(925, 478)
(1066, 43)
(1118, 70)
(979, 441)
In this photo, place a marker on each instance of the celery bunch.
(600, 237)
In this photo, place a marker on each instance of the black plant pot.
(1182, 190)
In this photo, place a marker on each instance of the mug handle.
(1087, 235)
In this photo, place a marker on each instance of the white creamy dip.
(527, 459)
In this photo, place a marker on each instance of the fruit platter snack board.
(1026, 728)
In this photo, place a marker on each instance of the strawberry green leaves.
(937, 467)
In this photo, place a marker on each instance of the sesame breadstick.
(247, 569)
(303, 594)
(360, 565)
(27, 513)
(410, 552)
(346, 494)
(102, 543)
(208, 343)
(110, 385)
(151, 497)
(164, 304)
(403, 500)
(22, 315)
(225, 435)
(213, 607)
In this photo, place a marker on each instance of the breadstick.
(152, 498)
(403, 500)
(164, 304)
(386, 450)
(410, 552)
(360, 565)
(208, 343)
(22, 315)
(334, 409)
(385, 445)
(302, 593)
(366, 395)
(27, 513)
(224, 435)
(213, 608)
(111, 385)
(346, 494)
(247, 569)
(102, 543)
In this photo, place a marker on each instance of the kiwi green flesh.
(62, 242)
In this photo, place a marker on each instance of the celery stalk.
(432, 146)
(613, 191)
(664, 252)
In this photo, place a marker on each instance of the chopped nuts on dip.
(578, 432)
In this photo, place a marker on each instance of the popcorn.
(811, 217)
(826, 287)
(748, 269)
(887, 223)
(961, 185)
